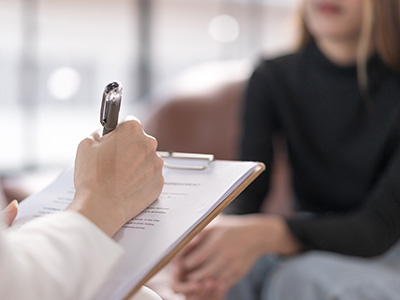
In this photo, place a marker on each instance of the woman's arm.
(369, 231)
(258, 126)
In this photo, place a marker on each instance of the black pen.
(110, 105)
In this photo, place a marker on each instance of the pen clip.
(112, 94)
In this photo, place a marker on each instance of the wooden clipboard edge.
(257, 171)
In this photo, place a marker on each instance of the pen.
(110, 105)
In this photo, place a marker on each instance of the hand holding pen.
(118, 175)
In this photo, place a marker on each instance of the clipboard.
(224, 203)
(233, 176)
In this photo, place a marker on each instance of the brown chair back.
(201, 123)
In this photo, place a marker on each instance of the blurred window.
(56, 56)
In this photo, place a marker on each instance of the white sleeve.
(60, 256)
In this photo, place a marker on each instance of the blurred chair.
(200, 123)
(201, 112)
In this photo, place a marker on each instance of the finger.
(211, 288)
(211, 269)
(178, 272)
(192, 244)
(128, 131)
(10, 212)
(186, 287)
(237, 269)
(179, 260)
(131, 118)
(209, 291)
(96, 135)
(228, 276)
(200, 253)
(198, 291)
(221, 290)
(202, 294)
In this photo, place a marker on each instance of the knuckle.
(86, 142)
(133, 125)
(159, 162)
(152, 143)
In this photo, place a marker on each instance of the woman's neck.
(341, 52)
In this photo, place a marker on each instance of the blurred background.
(56, 56)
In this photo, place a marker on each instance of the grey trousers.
(318, 275)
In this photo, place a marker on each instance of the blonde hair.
(364, 45)
(380, 29)
(386, 35)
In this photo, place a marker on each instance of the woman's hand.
(117, 176)
(225, 251)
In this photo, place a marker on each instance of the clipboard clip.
(186, 161)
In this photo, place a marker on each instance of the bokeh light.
(224, 29)
(64, 83)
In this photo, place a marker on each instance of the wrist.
(104, 218)
(273, 235)
(287, 243)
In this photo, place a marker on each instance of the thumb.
(10, 212)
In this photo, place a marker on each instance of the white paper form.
(187, 198)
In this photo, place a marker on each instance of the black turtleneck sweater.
(344, 149)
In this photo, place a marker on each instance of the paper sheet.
(187, 198)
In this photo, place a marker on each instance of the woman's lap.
(251, 286)
(322, 275)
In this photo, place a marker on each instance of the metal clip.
(185, 161)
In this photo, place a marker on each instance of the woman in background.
(337, 103)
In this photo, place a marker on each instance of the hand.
(218, 257)
(10, 212)
(202, 290)
(116, 176)
(225, 251)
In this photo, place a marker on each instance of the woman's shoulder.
(280, 64)
(280, 71)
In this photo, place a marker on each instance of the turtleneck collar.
(377, 70)
(319, 60)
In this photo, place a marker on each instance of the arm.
(62, 256)
(259, 124)
(69, 255)
(225, 251)
(369, 231)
